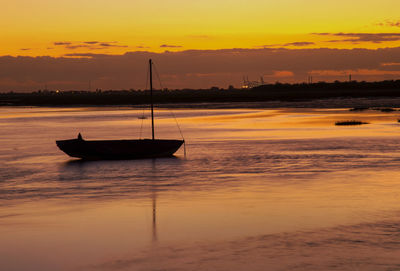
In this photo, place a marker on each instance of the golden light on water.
(254, 181)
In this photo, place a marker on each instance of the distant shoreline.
(318, 103)
(324, 95)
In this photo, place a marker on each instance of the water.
(280, 189)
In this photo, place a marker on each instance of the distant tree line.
(268, 92)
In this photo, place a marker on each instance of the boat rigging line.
(171, 112)
(143, 106)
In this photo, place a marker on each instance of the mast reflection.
(154, 201)
(154, 228)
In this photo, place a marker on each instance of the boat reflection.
(80, 162)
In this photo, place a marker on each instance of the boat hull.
(119, 149)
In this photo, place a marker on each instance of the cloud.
(62, 43)
(196, 68)
(89, 55)
(390, 64)
(299, 43)
(104, 44)
(362, 37)
(281, 74)
(170, 46)
(390, 23)
(360, 72)
(89, 45)
(296, 44)
(108, 44)
(394, 23)
(25, 49)
(77, 46)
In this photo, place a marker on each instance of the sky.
(197, 44)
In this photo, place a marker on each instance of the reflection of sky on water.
(258, 187)
(366, 246)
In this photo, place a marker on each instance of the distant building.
(252, 84)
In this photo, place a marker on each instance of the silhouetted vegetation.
(387, 110)
(359, 109)
(350, 122)
(269, 92)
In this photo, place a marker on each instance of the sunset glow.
(33, 27)
(77, 28)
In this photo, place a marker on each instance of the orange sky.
(75, 27)
(33, 27)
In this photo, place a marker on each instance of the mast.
(151, 99)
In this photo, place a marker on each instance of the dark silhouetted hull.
(119, 149)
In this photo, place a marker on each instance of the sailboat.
(122, 149)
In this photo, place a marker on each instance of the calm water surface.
(280, 189)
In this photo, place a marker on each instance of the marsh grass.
(386, 110)
(359, 109)
(350, 122)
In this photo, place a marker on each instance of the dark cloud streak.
(78, 46)
(62, 43)
(299, 43)
(89, 45)
(362, 37)
(296, 44)
(390, 23)
(107, 44)
(170, 46)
